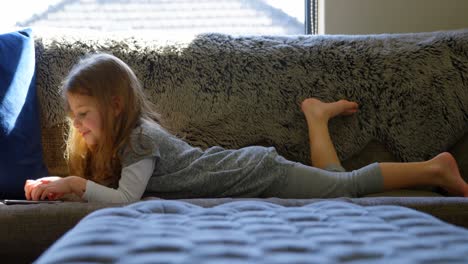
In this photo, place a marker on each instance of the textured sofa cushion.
(18, 223)
(20, 140)
(259, 232)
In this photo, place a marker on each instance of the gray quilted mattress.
(163, 231)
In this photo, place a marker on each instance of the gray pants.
(334, 181)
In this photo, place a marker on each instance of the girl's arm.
(132, 185)
(77, 185)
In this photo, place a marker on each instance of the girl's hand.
(48, 187)
(32, 184)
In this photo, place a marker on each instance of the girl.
(118, 151)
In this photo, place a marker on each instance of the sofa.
(236, 91)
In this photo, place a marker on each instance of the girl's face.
(86, 117)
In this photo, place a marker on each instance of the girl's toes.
(350, 108)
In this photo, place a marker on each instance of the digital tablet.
(10, 201)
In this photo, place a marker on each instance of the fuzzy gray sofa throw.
(236, 91)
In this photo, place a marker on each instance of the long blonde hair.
(104, 76)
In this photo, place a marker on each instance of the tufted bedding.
(255, 231)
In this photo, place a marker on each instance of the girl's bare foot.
(448, 175)
(314, 108)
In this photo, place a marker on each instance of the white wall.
(391, 16)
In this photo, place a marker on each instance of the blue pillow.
(20, 131)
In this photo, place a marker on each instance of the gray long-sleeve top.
(165, 166)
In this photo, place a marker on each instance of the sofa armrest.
(28, 230)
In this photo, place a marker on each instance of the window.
(163, 17)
